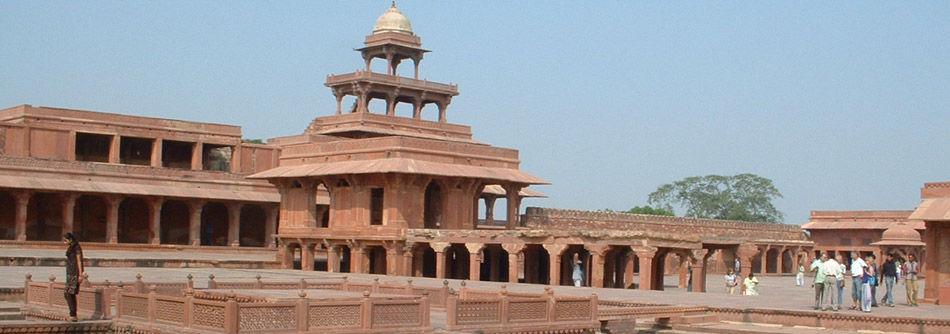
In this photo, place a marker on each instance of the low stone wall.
(508, 314)
(835, 320)
(563, 219)
(46, 300)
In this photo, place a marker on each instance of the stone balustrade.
(45, 300)
(545, 313)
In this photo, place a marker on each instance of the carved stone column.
(393, 258)
(596, 275)
(684, 268)
(234, 224)
(628, 272)
(22, 203)
(155, 220)
(112, 218)
(306, 257)
(358, 261)
(270, 226)
(439, 248)
(333, 258)
(69, 210)
(513, 251)
(194, 222)
(699, 258)
(746, 252)
(475, 261)
(645, 254)
(511, 195)
(554, 252)
(763, 265)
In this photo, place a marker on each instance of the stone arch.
(7, 216)
(457, 262)
(44, 217)
(133, 221)
(572, 254)
(434, 204)
(377, 260)
(537, 264)
(252, 223)
(494, 266)
(424, 261)
(89, 218)
(616, 260)
(771, 261)
(788, 262)
(175, 218)
(659, 267)
(292, 256)
(214, 224)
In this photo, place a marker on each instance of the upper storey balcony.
(393, 89)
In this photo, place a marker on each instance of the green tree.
(746, 197)
(648, 210)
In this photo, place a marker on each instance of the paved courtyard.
(776, 292)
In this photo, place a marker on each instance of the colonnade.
(102, 211)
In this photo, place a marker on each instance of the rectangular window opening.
(177, 154)
(216, 158)
(93, 147)
(135, 151)
(376, 207)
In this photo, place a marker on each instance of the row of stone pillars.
(22, 200)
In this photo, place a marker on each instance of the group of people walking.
(865, 276)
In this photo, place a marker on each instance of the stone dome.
(392, 21)
(901, 234)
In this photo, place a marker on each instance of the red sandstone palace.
(364, 191)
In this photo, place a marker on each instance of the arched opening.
(772, 261)
(89, 218)
(404, 108)
(788, 262)
(423, 261)
(537, 264)
(44, 217)
(214, 225)
(133, 221)
(377, 105)
(430, 112)
(756, 264)
(253, 220)
(174, 222)
(616, 261)
(494, 266)
(7, 216)
(377, 260)
(433, 205)
(457, 262)
(579, 255)
(325, 217)
(346, 258)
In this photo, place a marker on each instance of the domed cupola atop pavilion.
(393, 21)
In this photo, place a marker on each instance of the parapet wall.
(547, 218)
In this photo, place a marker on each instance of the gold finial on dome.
(393, 21)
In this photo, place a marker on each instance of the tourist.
(738, 267)
(751, 285)
(731, 282)
(889, 274)
(857, 274)
(819, 283)
(910, 279)
(800, 277)
(831, 270)
(842, 269)
(74, 271)
(872, 259)
(578, 274)
(867, 280)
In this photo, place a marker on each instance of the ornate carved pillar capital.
(513, 248)
(474, 248)
(555, 249)
(699, 254)
(644, 251)
(440, 247)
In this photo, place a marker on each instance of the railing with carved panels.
(46, 300)
(540, 314)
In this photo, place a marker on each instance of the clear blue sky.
(845, 105)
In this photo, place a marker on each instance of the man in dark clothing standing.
(74, 270)
(889, 273)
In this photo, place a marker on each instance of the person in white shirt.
(831, 269)
(857, 271)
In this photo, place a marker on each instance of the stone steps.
(731, 327)
(10, 313)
